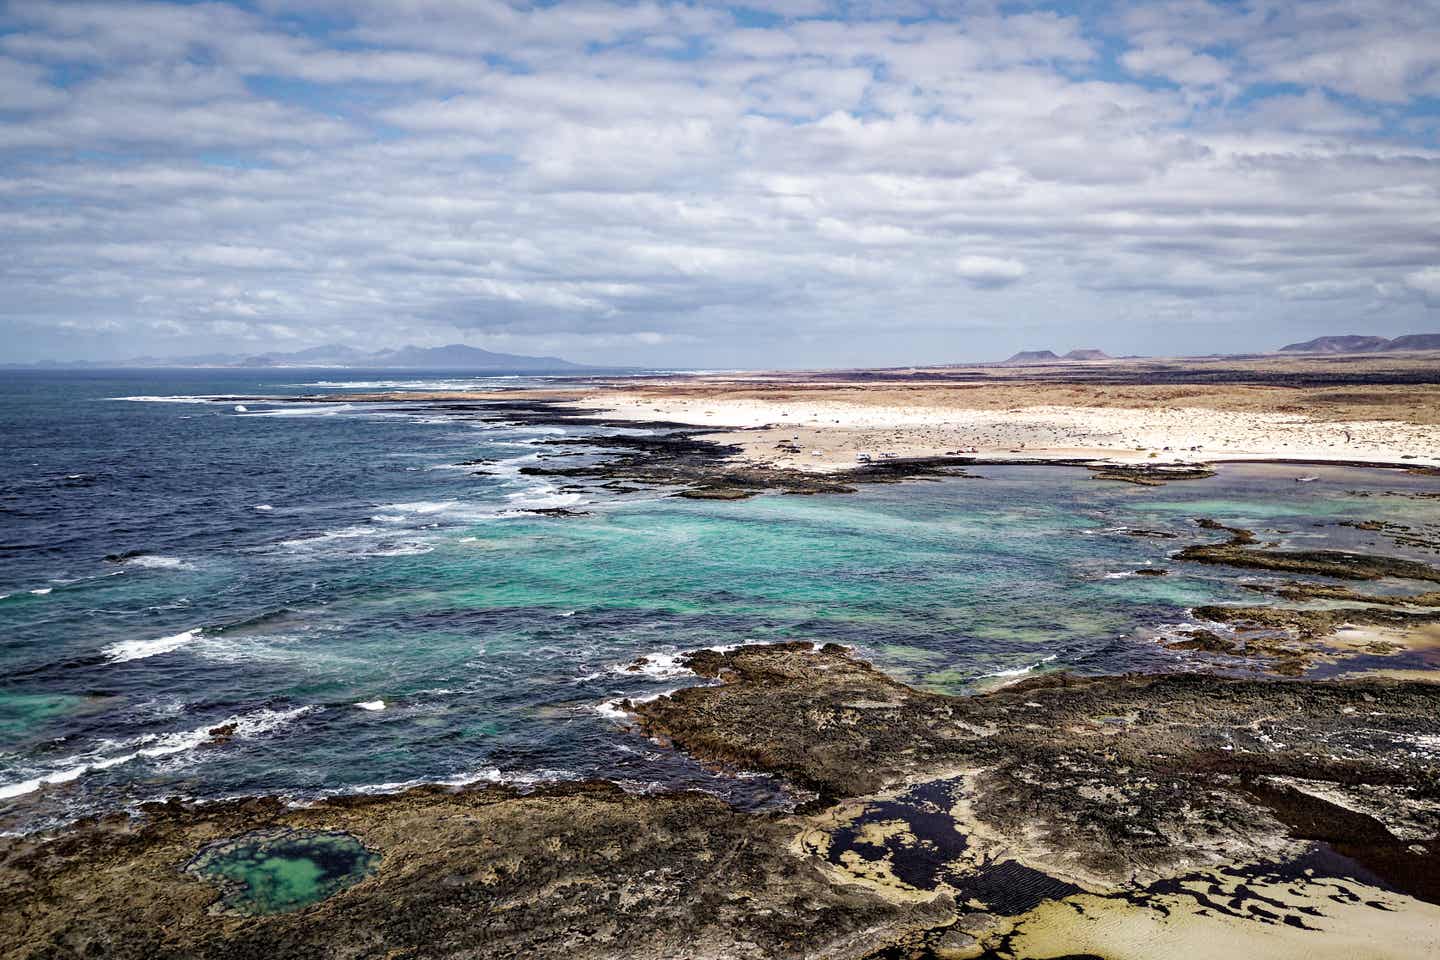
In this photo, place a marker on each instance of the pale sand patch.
(832, 433)
(1380, 639)
(1116, 930)
(1344, 925)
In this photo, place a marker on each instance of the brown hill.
(1033, 356)
(1344, 344)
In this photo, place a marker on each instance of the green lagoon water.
(355, 610)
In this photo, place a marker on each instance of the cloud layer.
(677, 183)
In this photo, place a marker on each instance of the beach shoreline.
(1382, 412)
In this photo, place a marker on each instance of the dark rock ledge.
(941, 825)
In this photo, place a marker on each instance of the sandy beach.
(831, 434)
(822, 423)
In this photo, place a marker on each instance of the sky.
(798, 183)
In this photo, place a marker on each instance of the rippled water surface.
(328, 599)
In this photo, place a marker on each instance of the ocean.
(202, 601)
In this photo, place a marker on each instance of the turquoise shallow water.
(392, 618)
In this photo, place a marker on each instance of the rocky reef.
(1151, 475)
(1240, 551)
(938, 826)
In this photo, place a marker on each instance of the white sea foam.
(176, 399)
(1018, 671)
(374, 705)
(305, 410)
(387, 539)
(655, 666)
(42, 591)
(150, 562)
(544, 498)
(418, 507)
(399, 550)
(510, 466)
(483, 775)
(110, 753)
(612, 710)
(661, 664)
(128, 650)
(319, 539)
(66, 581)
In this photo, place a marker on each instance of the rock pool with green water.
(280, 871)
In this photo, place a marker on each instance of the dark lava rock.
(1239, 552)
(1150, 475)
(1098, 777)
(1029, 793)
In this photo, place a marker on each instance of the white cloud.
(1176, 63)
(655, 182)
(989, 271)
(1427, 282)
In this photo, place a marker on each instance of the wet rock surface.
(1290, 640)
(705, 470)
(940, 826)
(1151, 475)
(574, 871)
(1239, 551)
(1098, 781)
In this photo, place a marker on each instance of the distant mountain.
(1347, 344)
(1415, 341)
(1086, 355)
(327, 355)
(456, 356)
(1033, 356)
(1363, 344)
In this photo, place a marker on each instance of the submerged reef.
(1239, 551)
(1289, 641)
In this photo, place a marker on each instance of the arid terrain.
(1369, 409)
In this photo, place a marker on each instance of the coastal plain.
(1330, 408)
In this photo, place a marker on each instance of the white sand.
(840, 430)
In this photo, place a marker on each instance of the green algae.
(281, 871)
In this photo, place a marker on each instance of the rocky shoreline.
(684, 456)
(940, 827)
(1113, 817)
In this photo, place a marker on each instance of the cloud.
(989, 272)
(1176, 63)
(1426, 282)
(663, 182)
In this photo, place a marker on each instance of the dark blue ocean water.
(356, 609)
